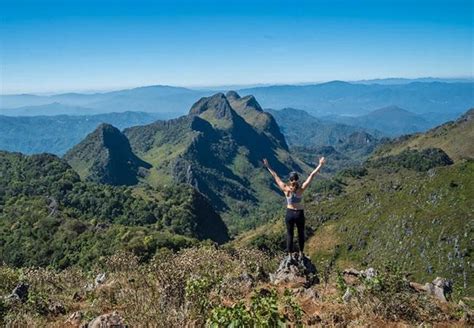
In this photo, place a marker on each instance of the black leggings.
(294, 217)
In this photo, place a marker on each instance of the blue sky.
(48, 46)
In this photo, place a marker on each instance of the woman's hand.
(265, 163)
(322, 160)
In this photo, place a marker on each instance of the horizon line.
(229, 86)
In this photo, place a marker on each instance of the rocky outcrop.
(19, 293)
(108, 320)
(295, 271)
(440, 288)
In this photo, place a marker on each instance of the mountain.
(161, 99)
(443, 97)
(50, 217)
(105, 156)
(310, 137)
(57, 134)
(302, 129)
(343, 98)
(456, 138)
(54, 108)
(253, 114)
(392, 120)
(219, 152)
(408, 207)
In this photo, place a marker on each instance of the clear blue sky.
(77, 45)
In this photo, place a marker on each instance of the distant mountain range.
(344, 98)
(336, 97)
(390, 121)
(57, 134)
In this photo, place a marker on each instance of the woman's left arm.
(322, 160)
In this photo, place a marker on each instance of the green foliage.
(293, 310)
(50, 217)
(197, 293)
(262, 312)
(419, 160)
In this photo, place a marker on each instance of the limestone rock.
(347, 295)
(439, 288)
(295, 271)
(108, 320)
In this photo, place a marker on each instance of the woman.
(294, 208)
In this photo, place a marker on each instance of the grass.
(204, 287)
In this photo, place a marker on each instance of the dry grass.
(180, 290)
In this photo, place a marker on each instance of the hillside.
(409, 207)
(303, 129)
(216, 287)
(391, 121)
(58, 133)
(50, 218)
(310, 137)
(219, 152)
(456, 138)
(105, 156)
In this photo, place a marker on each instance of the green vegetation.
(423, 160)
(219, 152)
(105, 156)
(454, 138)
(213, 287)
(49, 217)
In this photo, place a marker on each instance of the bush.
(418, 160)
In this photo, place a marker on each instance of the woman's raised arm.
(275, 176)
(322, 160)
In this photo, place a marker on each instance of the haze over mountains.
(329, 98)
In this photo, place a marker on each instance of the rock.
(439, 288)
(56, 308)
(306, 293)
(75, 318)
(369, 273)
(296, 271)
(347, 295)
(20, 292)
(108, 320)
(99, 280)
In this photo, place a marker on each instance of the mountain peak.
(232, 95)
(216, 110)
(393, 109)
(105, 156)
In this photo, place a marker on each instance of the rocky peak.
(217, 103)
(232, 95)
(105, 156)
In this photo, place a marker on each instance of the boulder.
(295, 271)
(108, 320)
(439, 288)
(19, 293)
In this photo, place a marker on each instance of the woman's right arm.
(275, 176)
(312, 174)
